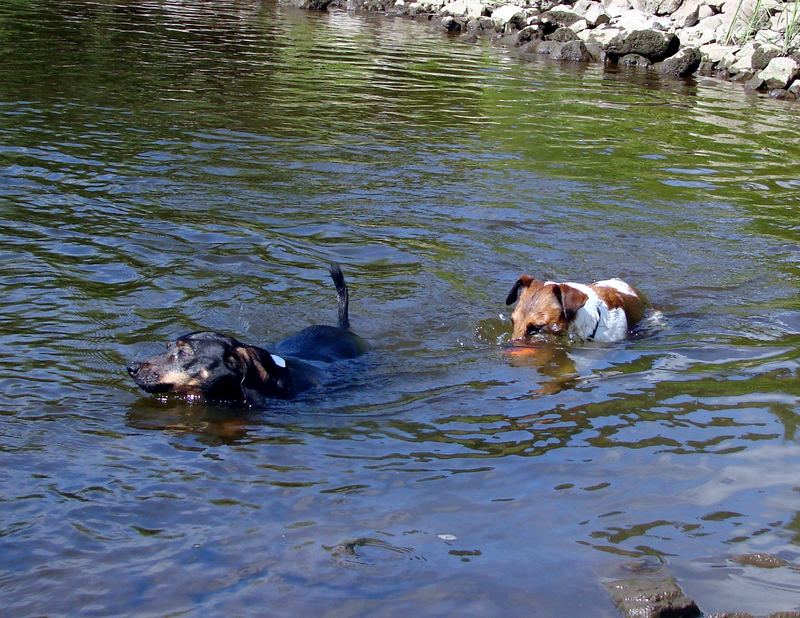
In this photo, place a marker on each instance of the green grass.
(792, 25)
(751, 23)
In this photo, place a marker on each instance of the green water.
(172, 166)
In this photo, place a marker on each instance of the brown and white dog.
(602, 311)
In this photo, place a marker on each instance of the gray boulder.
(663, 7)
(560, 18)
(563, 35)
(754, 83)
(464, 8)
(572, 51)
(688, 14)
(508, 15)
(780, 72)
(595, 15)
(549, 48)
(762, 55)
(651, 44)
(682, 64)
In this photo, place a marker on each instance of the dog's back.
(327, 343)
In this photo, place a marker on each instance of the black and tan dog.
(216, 367)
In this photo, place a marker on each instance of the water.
(170, 166)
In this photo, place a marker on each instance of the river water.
(167, 166)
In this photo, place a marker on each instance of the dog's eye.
(532, 330)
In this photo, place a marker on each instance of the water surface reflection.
(166, 167)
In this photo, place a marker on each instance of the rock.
(705, 31)
(744, 60)
(651, 44)
(563, 35)
(633, 20)
(795, 88)
(714, 52)
(615, 8)
(572, 51)
(471, 9)
(705, 11)
(480, 25)
(549, 48)
(651, 598)
(760, 560)
(579, 26)
(600, 36)
(688, 14)
(667, 7)
(454, 24)
(311, 5)
(741, 18)
(595, 15)
(528, 34)
(635, 60)
(780, 72)
(595, 51)
(754, 83)
(508, 15)
(762, 56)
(769, 37)
(560, 18)
(745, 8)
(683, 63)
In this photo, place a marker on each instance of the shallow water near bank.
(167, 167)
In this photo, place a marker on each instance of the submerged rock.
(648, 597)
(760, 560)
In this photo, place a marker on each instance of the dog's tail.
(341, 292)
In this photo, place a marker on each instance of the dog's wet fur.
(217, 367)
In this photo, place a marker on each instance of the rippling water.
(168, 166)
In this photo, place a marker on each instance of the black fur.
(217, 367)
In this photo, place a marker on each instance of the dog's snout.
(133, 369)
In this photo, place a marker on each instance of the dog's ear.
(571, 300)
(523, 282)
(255, 366)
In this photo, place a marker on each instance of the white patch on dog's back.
(619, 285)
(595, 320)
(278, 360)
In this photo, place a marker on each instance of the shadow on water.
(171, 166)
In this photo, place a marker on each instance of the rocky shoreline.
(756, 42)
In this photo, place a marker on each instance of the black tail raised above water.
(341, 293)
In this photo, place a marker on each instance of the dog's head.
(543, 308)
(213, 366)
